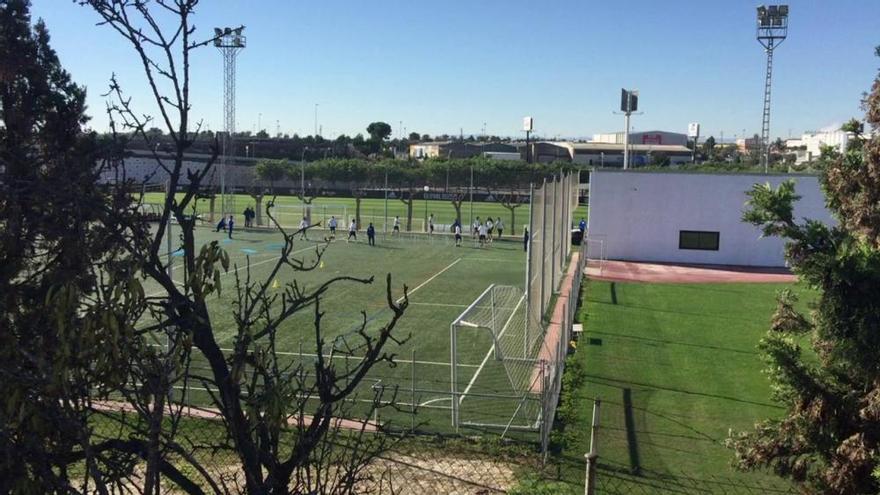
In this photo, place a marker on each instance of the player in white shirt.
(499, 226)
(476, 227)
(490, 229)
(332, 224)
(457, 229)
(396, 225)
(304, 227)
(431, 224)
(483, 233)
(352, 231)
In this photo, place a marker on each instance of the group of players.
(485, 232)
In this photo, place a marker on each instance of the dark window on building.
(696, 239)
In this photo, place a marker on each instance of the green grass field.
(442, 280)
(289, 209)
(676, 368)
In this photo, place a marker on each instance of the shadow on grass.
(604, 380)
(673, 342)
(617, 480)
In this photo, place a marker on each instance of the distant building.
(809, 146)
(744, 145)
(457, 149)
(607, 154)
(646, 137)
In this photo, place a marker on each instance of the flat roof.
(671, 148)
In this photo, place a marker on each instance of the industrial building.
(809, 146)
(695, 218)
(608, 154)
(645, 137)
(457, 149)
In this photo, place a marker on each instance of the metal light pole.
(425, 226)
(230, 42)
(629, 103)
(316, 120)
(772, 30)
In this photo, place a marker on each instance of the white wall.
(640, 214)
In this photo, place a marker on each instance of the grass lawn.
(289, 209)
(676, 368)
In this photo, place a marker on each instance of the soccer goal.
(494, 355)
(290, 216)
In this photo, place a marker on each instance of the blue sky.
(443, 66)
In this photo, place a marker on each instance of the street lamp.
(427, 188)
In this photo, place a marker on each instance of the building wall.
(639, 215)
(646, 137)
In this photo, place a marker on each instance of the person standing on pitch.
(476, 227)
(431, 224)
(304, 228)
(352, 231)
(332, 224)
(483, 230)
(456, 227)
(490, 229)
(371, 235)
(229, 224)
(526, 239)
(499, 226)
(582, 225)
(396, 225)
(221, 225)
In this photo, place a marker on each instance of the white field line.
(495, 260)
(426, 282)
(358, 358)
(243, 267)
(486, 358)
(439, 304)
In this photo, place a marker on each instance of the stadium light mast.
(230, 42)
(772, 29)
(629, 103)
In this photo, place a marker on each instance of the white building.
(643, 137)
(809, 146)
(696, 218)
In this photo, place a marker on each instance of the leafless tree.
(279, 415)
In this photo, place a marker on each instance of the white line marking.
(242, 268)
(400, 361)
(423, 404)
(429, 280)
(439, 304)
(485, 359)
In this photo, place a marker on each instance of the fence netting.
(508, 347)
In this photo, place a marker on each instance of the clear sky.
(443, 66)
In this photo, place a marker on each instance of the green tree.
(270, 171)
(262, 134)
(828, 439)
(379, 131)
(67, 297)
(414, 136)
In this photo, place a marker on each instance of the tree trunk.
(258, 210)
(513, 221)
(409, 212)
(456, 203)
(357, 210)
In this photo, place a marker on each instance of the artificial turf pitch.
(442, 281)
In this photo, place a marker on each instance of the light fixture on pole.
(772, 30)
(694, 133)
(528, 126)
(427, 188)
(230, 42)
(629, 103)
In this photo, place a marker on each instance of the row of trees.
(508, 181)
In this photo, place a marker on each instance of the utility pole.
(528, 126)
(772, 30)
(316, 120)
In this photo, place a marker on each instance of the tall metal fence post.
(412, 426)
(555, 219)
(541, 263)
(454, 371)
(593, 456)
(528, 245)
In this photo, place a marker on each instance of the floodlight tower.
(230, 42)
(629, 103)
(771, 32)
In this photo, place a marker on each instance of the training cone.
(275, 284)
